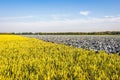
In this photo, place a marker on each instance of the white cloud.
(85, 13)
(108, 16)
(59, 17)
(18, 17)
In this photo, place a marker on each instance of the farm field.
(23, 58)
(108, 43)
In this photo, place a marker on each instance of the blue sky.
(59, 15)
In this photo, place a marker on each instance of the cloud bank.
(66, 25)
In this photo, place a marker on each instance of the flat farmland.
(108, 43)
(23, 58)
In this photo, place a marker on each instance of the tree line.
(64, 33)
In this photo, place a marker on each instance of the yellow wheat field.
(23, 58)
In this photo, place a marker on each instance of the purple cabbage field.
(109, 43)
